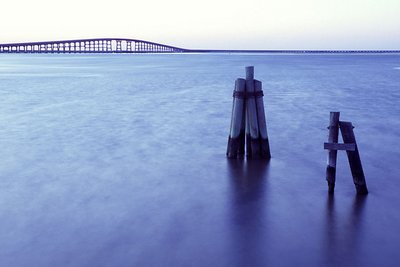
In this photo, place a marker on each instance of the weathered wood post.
(242, 135)
(262, 123)
(332, 154)
(247, 133)
(252, 135)
(350, 145)
(248, 124)
(346, 128)
(237, 133)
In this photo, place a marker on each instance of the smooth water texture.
(119, 160)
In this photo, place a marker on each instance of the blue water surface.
(119, 160)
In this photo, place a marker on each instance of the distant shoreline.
(299, 51)
(200, 51)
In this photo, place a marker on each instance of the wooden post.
(237, 132)
(346, 128)
(248, 125)
(252, 132)
(242, 135)
(262, 124)
(332, 154)
(247, 132)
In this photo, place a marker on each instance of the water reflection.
(343, 233)
(247, 217)
(331, 231)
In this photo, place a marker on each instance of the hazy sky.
(220, 24)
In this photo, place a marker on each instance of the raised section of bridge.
(101, 45)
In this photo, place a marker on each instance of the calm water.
(119, 160)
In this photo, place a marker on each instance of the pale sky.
(210, 24)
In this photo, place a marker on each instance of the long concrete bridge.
(123, 45)
(99, 45)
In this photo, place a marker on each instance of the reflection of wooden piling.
(346, 128)
(236, 136)
(332, 154)
(248, 124)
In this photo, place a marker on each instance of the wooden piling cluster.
(248, 133)
(350, 146)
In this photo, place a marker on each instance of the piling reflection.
(331, 231)
(247, 215)
(343, 233)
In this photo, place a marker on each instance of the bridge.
(99, 45)
(123, 45)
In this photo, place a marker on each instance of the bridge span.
(99, 45)
(124, 45)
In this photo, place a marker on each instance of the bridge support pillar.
(118, 46)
